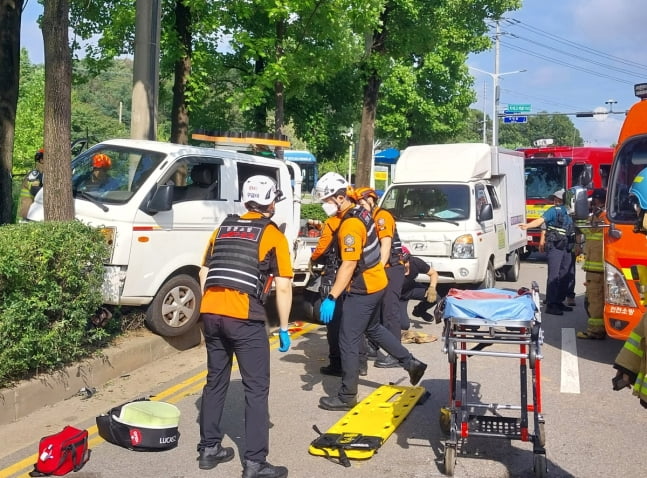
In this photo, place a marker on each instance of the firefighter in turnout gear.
(391, 258)
(362, 280)
(594, 267)
(631, 362)
(244, 255)
(31, 185)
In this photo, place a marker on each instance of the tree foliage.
(557, 127)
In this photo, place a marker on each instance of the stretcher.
(493, 323)
(359, 434)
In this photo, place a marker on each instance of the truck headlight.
(463, 247)
(617, 289)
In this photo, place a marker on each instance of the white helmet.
(328, 185)
(261, 190)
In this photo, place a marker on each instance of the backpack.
(562, 232)
(62, 452)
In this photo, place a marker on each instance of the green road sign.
(519, 108)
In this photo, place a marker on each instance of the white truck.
(157, 208)
(458, 207)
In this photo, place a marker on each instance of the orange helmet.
(39, 155)
(101, 161)
(364, 193)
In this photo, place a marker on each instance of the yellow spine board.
(379, 415)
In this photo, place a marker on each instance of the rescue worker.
(31, 185)
(631, 362)
(362, 280)
(390, 257)
(413, 290)
(559, 228)
(101, 164)
(591, 238)
(242, 257)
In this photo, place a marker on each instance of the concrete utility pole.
(146, 69)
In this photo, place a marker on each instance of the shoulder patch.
(349, 240)
(33, 175)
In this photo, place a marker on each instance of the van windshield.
(446, 201)
(112, 175)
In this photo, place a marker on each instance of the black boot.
(420, 310)
(210, 457)
(253, 469)
(416, 370)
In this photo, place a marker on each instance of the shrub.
(50, 285)
(313, 211)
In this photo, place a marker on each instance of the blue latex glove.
(284, 340)
(326, 311)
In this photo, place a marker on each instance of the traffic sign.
(515, 119)
(519, 108)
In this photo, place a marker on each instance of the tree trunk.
(366, 132)
(10, 18)
(279, 112)
(57, 174)
(180, 111)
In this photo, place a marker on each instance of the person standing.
(594, 267)
(242, 257)
(362, 279)
(559, 227)
(413, 290)
(390, 257)
(31, 185)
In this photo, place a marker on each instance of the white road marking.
(570, 381)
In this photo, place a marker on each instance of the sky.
(579, 55)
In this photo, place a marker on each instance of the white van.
(157, 208)
(458, 207)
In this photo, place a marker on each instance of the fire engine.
(550, 168)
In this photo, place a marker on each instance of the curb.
(129, 353)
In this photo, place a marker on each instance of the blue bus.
(308, 164)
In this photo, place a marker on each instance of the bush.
(50, 285)
(313, 211)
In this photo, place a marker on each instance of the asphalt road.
(591, 430)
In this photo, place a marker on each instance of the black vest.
(234, 263)
(371, 251)
(396, 246)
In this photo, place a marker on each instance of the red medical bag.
(62, 452)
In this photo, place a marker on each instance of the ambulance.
(625, 252)
(550, 168)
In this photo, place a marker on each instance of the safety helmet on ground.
(364, 193)
(639, 188)
(328, 185)
(101, 161)
(261, 190)
(39, 155)
(406, 254)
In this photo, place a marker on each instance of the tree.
(10, 20)
(557, 127)
(58, 202)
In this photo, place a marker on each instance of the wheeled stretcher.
(493, 323)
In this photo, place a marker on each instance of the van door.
(167, 241)
(494, 232)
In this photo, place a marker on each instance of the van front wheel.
(176, 307)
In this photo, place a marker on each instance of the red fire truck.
(554, 167)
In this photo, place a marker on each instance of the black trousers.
(418, 293)
(224, 337)
(360, 315)
(390, 308)
(559, 263)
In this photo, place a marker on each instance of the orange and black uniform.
(357, 241)
(234, 319)
(390, 308)
(325, 253)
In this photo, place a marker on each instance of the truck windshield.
(112, 175)
(543, 179)
(445, 201)
(629, 161)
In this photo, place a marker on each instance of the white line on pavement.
(570, 381)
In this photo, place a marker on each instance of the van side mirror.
(161, 200)
(485, 214)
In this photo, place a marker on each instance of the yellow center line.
(175, 393)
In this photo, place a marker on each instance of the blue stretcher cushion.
(514, 307)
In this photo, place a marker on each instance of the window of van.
(247, 170)
(195, 179)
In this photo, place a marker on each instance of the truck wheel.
(511, 272)
(176, 306)
(489, 281)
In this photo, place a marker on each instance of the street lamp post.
(495, 99)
